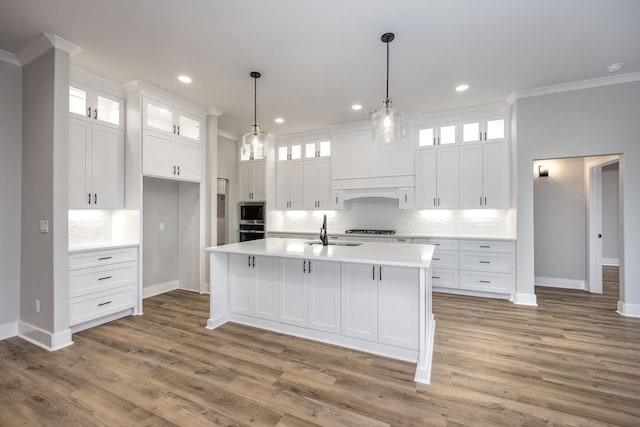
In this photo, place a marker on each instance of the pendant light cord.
(387, 95)
(255, 101)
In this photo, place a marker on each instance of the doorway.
(222, 222)
(576, 224)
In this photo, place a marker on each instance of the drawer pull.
(485, 262)
(485, 281)
(436, 259)
(104, 258)
(104, 303)
(104, 278)
(436, 244)
(485, 246)
(435, 277)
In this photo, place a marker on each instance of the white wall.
(160, 257)
(560, 222)
(228, 169)
(10, 185)
(610, 212)
(587, 122)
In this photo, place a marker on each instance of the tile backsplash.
(378, 213)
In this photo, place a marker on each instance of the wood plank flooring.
(570, 361)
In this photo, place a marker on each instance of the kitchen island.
(373, 297)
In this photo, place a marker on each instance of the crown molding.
(141, 88)
(578, 85)
(80, 75)
(228, 135)
(212, 111)
(9, 57)
(42, 44)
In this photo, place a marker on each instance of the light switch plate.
(44, 226)
(162, 226)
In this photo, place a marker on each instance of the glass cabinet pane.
(495, 129)
(282, 153)
(159, 118)
(189, 128)
(296, 152)
(108, 110)
(447, 134)
(310, 150)
(426, 137)
(78, 101)
(471, 132)
(245, 153)
(258, 152)
(325, 148)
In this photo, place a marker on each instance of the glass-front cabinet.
(493, 129)
(90, 104)
(433, 136)
(169, 120)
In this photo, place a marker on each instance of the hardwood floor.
(570, 361)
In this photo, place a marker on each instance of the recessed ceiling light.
(356, 107)
(184, 79)
(462, 88)
(279, 120)
(615, 67)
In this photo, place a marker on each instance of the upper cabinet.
(437, 135)
(171, 142)
(490, 129)
(317, 175)
(92, 105)
(484, 176)
(252, 181)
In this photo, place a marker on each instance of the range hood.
(389, 187)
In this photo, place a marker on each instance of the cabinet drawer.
(444, 278)
(444, 259)
(89, 280)
(487, 282)
(494, 262)
(89, 307)
(444, 244)
(94, 258)
(486, 246)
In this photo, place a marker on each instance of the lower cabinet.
(369, 302)
(103, 285)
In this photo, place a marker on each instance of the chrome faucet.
(323, 233)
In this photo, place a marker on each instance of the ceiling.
(319, 57)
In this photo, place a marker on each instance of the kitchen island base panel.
(469, 293)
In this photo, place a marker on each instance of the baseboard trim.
(525, 299)
(628, 310)
(205, 288)
(555, 282)
(43, 339)
(160, 288)
(612, 262)
(8, 330)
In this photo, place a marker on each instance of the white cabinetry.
(96, 165)
(484, 175)
(252, 177)
(95, 106)
(253, 286)
(438, 135)
(294, 291)
(289, 177)
(324, 295)
(103, 285)
(171, 142)
(486, 266)
(380, 303)
(486, 129)
(436, 178)
(444, 263)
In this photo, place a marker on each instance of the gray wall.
(10, 183)
(44, 257)
(610, 211)
(560, 221)
(228, 169)
(160, 257)
(588, 122)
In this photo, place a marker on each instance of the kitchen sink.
(317, 242)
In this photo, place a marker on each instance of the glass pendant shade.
(253, 143)
(387, 125)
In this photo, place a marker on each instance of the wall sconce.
(543, 171)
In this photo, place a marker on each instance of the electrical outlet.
(44, 226)
(37, 306)
(162, 226)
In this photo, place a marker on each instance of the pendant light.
(387, 125)
(254, 141)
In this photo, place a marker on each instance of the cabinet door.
(107, 167)
(80, 101)
(310, 197)
(282, 186)
(448, 178)
(79, 175)
(398, 306)
(259, 192)
(246, 181)
(471, 177)
(296, 182)
(267, 287)
(359, 301)
(188, 127)
(108, 109)
(157, 154)
(425, 173)
(324, 295)
(188, 160)
(496, 175)
(157, 116)
(495, 129)
(294, 295)
(324, 180)
(241, 284)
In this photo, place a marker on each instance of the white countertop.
(97, 246)
(416, 255)
(403, 235)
